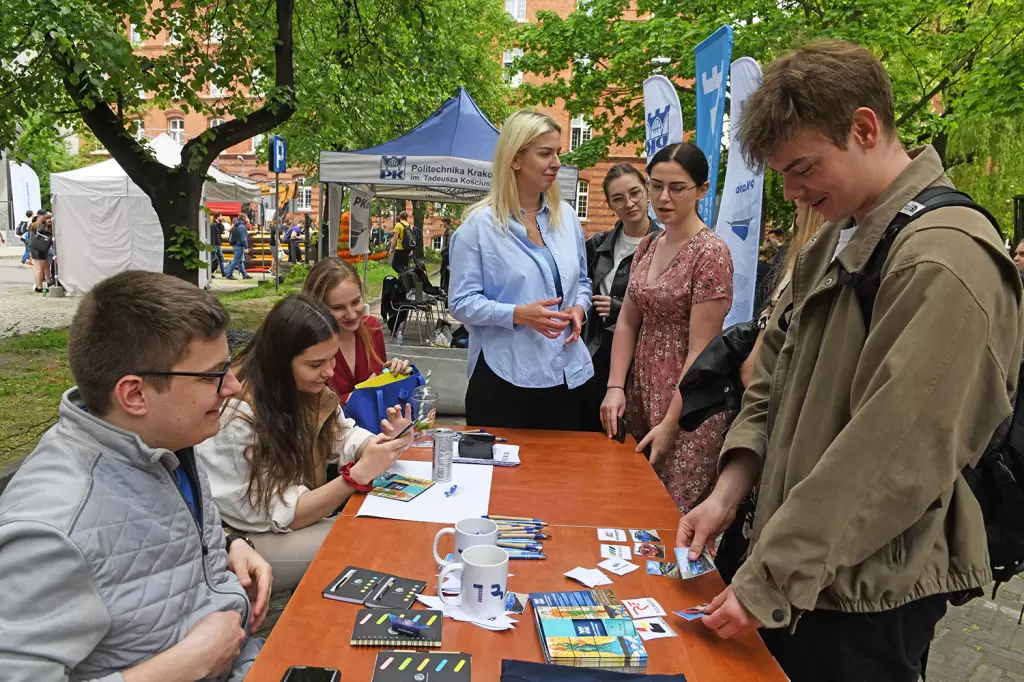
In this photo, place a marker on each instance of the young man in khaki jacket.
(864, 526)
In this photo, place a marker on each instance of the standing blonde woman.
(519, 284)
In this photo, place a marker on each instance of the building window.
(582, 199)
(579, 133)
(173, 31)
(176, 129)
(435, 243)
(514, 79)
(304, 198)
(517, 8)
(140, 130)
(216, 33)
(215, 90)
(257, 142)
(133, 34)
(214, 122)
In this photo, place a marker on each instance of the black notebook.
(354, 585)
(373, 628)
(392, 592)
(412, 666)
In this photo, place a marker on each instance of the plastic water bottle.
(400, 339)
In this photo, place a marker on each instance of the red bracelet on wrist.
(346, 473)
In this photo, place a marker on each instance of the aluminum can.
(444, 451)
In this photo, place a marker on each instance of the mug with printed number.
(484, 581)
(468, 533)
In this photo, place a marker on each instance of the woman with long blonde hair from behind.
(519, 283)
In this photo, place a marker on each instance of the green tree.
(949, 60)
(69, 62)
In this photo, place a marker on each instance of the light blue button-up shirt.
(492, 273)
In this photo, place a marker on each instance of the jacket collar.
(114, 441)
(608, 245)
(925, 169)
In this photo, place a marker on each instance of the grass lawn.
(34, 369)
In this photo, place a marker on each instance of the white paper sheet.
(472, 496)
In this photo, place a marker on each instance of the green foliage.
(186, 247)
(992, 168)
(361, 82)
(967, 55)
(297, 274)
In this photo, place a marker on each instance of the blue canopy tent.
(446, 158)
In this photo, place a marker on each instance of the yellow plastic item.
(382, 379)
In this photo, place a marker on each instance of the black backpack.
(409, 238)
(998, 480)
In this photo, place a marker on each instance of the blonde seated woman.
(268, 464)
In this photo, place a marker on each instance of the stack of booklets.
(373, 628)
(374, 589)
(588, 629)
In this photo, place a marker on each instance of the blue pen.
(450, 491)
(527, 556)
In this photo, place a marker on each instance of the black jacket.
(712, 384)
(600, 259)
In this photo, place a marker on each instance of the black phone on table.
(302, 673)
(620, 432)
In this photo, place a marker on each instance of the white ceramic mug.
(468, 533)
(484, 581)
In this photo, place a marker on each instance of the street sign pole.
(278, 164)
(276, 230)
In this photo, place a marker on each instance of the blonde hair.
(520, 131)
(803, 230)
(320, 282)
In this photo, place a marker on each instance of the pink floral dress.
(701, 271)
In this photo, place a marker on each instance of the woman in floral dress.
(680, 289)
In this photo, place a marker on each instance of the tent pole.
(366, 259)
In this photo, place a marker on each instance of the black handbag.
(41, 241)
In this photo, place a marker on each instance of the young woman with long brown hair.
(361, 352)
(268, 464)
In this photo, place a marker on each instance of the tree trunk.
(419, 210)
(177, 202)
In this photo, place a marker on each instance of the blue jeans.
(237, 260)
(217, 260)
(28, 254)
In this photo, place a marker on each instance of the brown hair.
(329, 273)
(281, 452)
(133, 322)
(619, 170)
(404, 215)
(818, 86)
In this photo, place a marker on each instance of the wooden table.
(577, 482)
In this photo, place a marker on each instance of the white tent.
(105, 224)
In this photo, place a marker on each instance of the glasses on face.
(219, 376)
(635, 195)
(675, 190)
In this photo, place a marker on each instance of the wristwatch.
(229, 538)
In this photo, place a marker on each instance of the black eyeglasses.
(674, 191)
(219, 376)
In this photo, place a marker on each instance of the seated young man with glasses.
(114, 561)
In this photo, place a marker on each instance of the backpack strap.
(867, 281)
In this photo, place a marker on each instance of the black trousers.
(594, 390)
(889, 646)
(492, 401)
(400, 261)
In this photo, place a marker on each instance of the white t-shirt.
(625, 246)
(844, 238)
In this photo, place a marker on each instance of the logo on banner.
(741, 227)
(392, 167)
(657, 130)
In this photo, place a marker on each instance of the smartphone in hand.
(620, 432)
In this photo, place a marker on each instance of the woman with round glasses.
(680, 290)
(609, 257)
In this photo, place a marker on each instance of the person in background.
(400, 241)
(294, 239)
(1018, 258)
(217, 241)
(239, 241)
(361, 352)
(41, 256)
(268, 463)
(609, 257)
(680, 290)
(446, 246)
(857, 434)
(114, 562)
(519, 284)
(23, 232)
